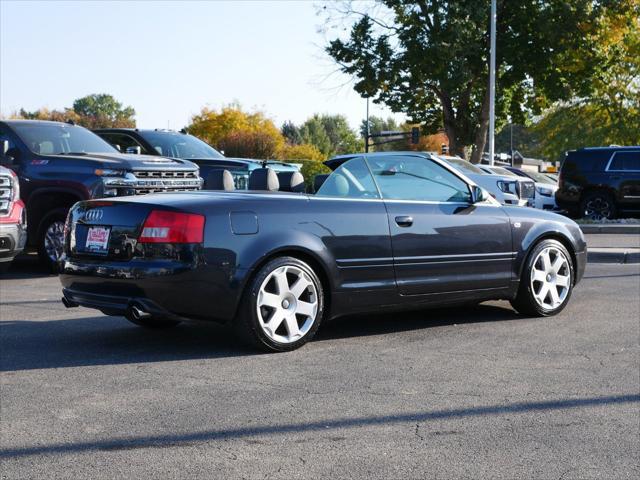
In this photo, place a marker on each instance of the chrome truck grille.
(158, 181)
(526, 189)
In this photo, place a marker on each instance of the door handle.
(404, 221)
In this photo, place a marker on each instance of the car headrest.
(291, 181)
(337, 185)
(318, 180)
(264, 179)
(220, 180)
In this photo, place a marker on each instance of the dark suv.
(59, 164)
(182, 145)
(600, 182)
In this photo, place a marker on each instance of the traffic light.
(415, 135)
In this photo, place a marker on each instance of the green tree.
(291, 133)
(429, 58)
(331, 134)
(103, 111)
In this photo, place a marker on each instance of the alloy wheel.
(287, 304)
(550, 278)
(597, 208)
(54, 241)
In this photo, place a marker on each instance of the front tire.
(50, 241)
(283, 306)
(547, 281)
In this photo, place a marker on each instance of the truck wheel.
(598, 206)
(283, 306)
(51, 239)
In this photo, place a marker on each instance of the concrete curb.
(610, 228)
(613, 255)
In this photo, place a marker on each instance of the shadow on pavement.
(103, 340)
(185, 439)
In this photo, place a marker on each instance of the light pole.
(366, 138)
(492, 84)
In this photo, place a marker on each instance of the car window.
(60, 139)
(180, 145)
(352, 179)
(622, 161)
(463, 165)
(417, 178)
(123, 141)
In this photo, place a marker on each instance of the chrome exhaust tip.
(137, 312)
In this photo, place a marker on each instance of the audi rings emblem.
(93, 215)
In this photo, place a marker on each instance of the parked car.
(545, 187)
(600, 182)
(507, 189)
(59, 164)
(384, 231)
(13, 218)
(182, 145)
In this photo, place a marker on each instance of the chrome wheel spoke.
(292, 327)
(300, 286)
(553, 293)
(541, 295)
(269, 300)
(275, 322)
(282, 282)
(562, 281)
(539, 275)
(307, 309)
(558, 263)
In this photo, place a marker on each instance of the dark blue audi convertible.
(383, 231)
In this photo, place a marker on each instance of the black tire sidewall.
(249, 322)
(59, 214)
(526, 299)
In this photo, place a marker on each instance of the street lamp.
(492, 84)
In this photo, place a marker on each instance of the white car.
(545, 198)
(506, 189)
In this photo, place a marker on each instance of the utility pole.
(492, 85)
(366, 138)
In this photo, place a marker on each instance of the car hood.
(126, 161)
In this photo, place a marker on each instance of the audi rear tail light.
(162, 226)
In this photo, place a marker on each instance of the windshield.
(541, 178)
(503, 171)
(60, 139)
(464, 166)
(179, 145)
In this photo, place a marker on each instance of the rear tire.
(547, 281)
(282, 306)
(597, 206)
(50, 239)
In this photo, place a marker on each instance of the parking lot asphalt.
(449, 393)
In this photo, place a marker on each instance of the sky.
(169, 59)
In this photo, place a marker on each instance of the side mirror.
(478, 194)
(9, 155)
(134, 150)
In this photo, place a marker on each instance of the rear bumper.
(164, 288)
